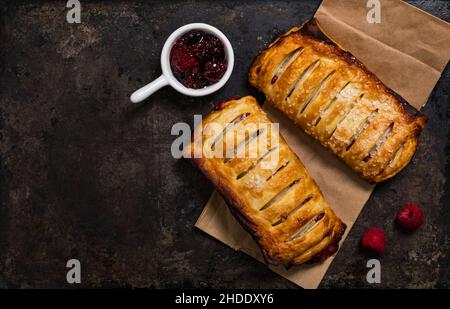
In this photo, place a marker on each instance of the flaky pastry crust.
(328, 93)
(279, 204)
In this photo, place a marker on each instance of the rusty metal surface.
(85, 174)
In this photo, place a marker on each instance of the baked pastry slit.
(254, 164)
(396, 156)
(243, 145)
(285, 63)
(316, 92)
(344, 103)
(375, 148)
(279, 169)
(380, 160)
(308, 227)
(316, 107)
(330, 236)
(398, 162)
(280, 194)
(302, 77)
(341, 119)
(330, 104)
(286, 216)
(361, 128)
(228, 127)
(394, 159)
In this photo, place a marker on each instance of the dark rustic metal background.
(85, 174)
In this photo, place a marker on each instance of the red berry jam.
(197, 59)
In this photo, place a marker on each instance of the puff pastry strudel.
(335, 99)
(265, 185)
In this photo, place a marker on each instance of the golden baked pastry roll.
(332, 96)
(264, 183)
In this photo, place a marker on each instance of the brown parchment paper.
(408, 51)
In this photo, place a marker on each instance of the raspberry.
(374, 240)
(182, 59)
(410, 217)
(193, 37)
(214, 71)
(197, 59)
(193, 79)
(209, 48)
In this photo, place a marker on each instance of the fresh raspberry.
(410, 217)
(182, 58)
(214, 70)
(374, 240)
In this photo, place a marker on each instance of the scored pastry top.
(265, 184)
(334, 98)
